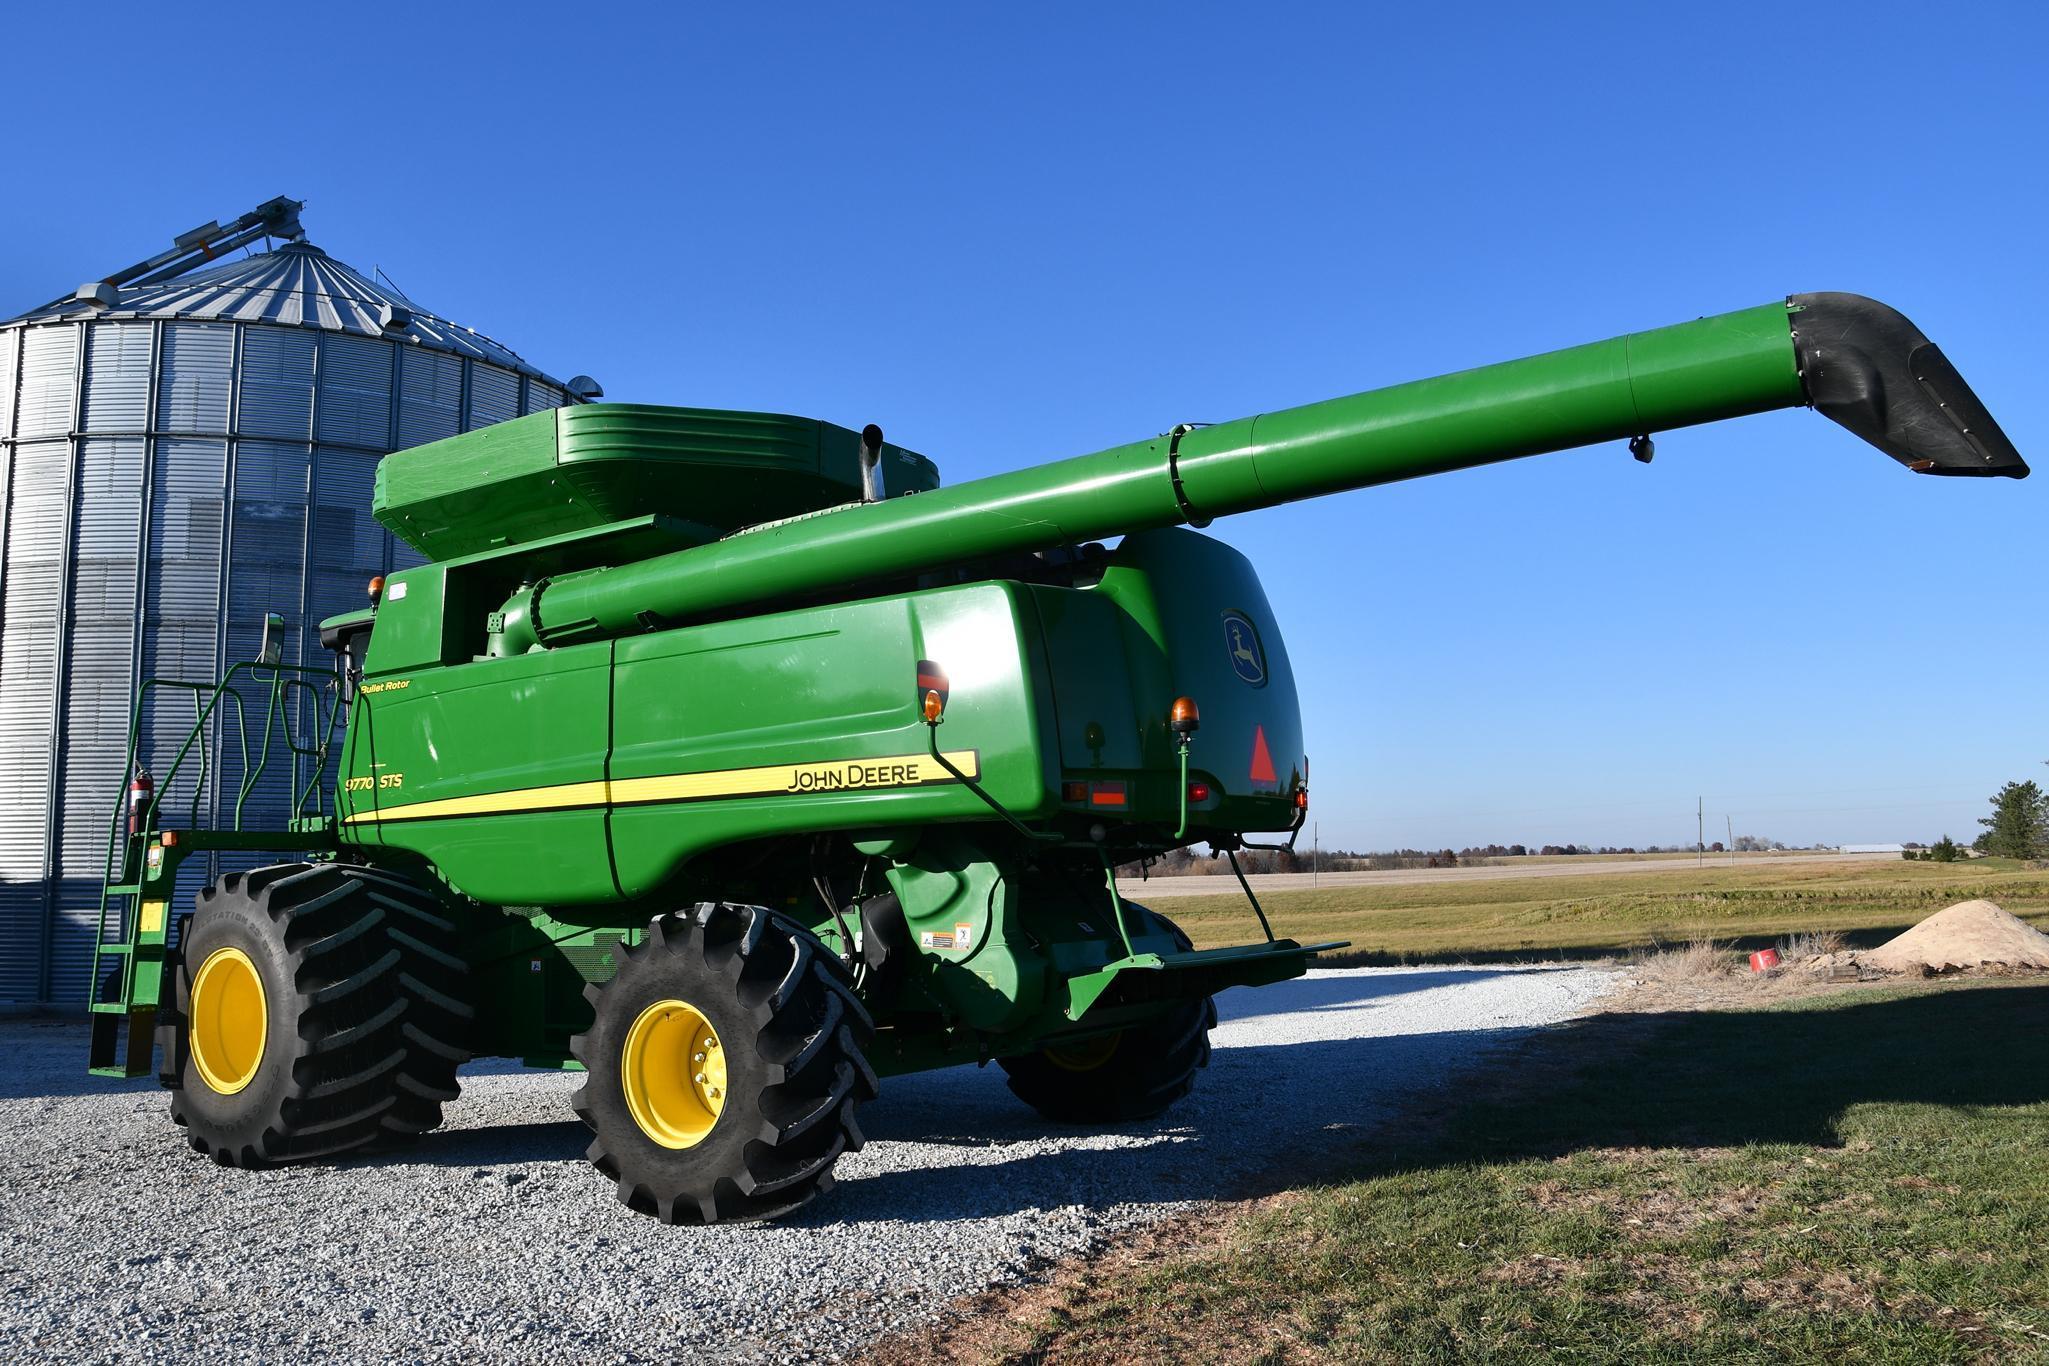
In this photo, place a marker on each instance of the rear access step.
(1198, 972)
(122, 1041)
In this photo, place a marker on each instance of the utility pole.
(1315, 853)
(1730, 821)
(1699, 832)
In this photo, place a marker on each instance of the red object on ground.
(1764, 960)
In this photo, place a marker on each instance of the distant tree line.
(2017, 828)
(1183, 862)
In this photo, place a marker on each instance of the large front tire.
(726, 1063)
(320, 1008)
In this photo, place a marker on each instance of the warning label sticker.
(960, 939)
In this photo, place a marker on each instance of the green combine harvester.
(729, 758)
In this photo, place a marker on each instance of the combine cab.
(730, 759)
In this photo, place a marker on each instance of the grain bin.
(184, 446)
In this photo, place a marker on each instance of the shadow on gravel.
(493, 1145)
(1869, 938)
(1304, 994)
(43, 1057)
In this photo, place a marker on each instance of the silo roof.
(295, 285)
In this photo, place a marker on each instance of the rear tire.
(1121, 1078)
(334, 1016)
(756, 1137)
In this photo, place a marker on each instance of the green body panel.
(821, 691)
(588, 465)
(524, 725)
(1184, 601)
(590, 775)
(968, 917)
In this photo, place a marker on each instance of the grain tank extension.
(731, 759)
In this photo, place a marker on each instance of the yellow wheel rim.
(1085, 1056)
(230, 1021)
(673, 1072)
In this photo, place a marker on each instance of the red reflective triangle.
(1262, 762)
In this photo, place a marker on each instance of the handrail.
(283, 680)
(281, 688)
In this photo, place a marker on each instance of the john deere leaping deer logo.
(1242, 643)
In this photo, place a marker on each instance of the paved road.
(494, 1239)
(1217, 884)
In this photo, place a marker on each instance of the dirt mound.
(1969, 934)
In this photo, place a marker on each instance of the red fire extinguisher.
(140, 790)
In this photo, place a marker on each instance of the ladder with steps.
(134, 959)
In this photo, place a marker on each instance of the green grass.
(1545, 917)
(1856, 1177)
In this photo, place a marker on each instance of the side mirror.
(272, 651)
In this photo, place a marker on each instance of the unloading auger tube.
(1854, 359)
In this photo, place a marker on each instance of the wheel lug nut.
(698, 1058)
(700, 1078)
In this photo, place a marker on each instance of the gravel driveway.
(493, 1237)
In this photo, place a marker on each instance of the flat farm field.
(1495, 918)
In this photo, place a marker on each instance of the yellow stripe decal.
(775, 780)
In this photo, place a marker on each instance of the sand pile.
(1969, 934)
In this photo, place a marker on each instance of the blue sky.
(1013, 234)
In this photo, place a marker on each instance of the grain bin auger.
(690, 761)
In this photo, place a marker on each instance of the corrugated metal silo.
(179, 454)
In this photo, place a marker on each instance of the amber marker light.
(376, 589)
(935, 706)
(170, 839)
(1301, 799)
(1183, 717)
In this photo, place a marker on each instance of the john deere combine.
(730, 758)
